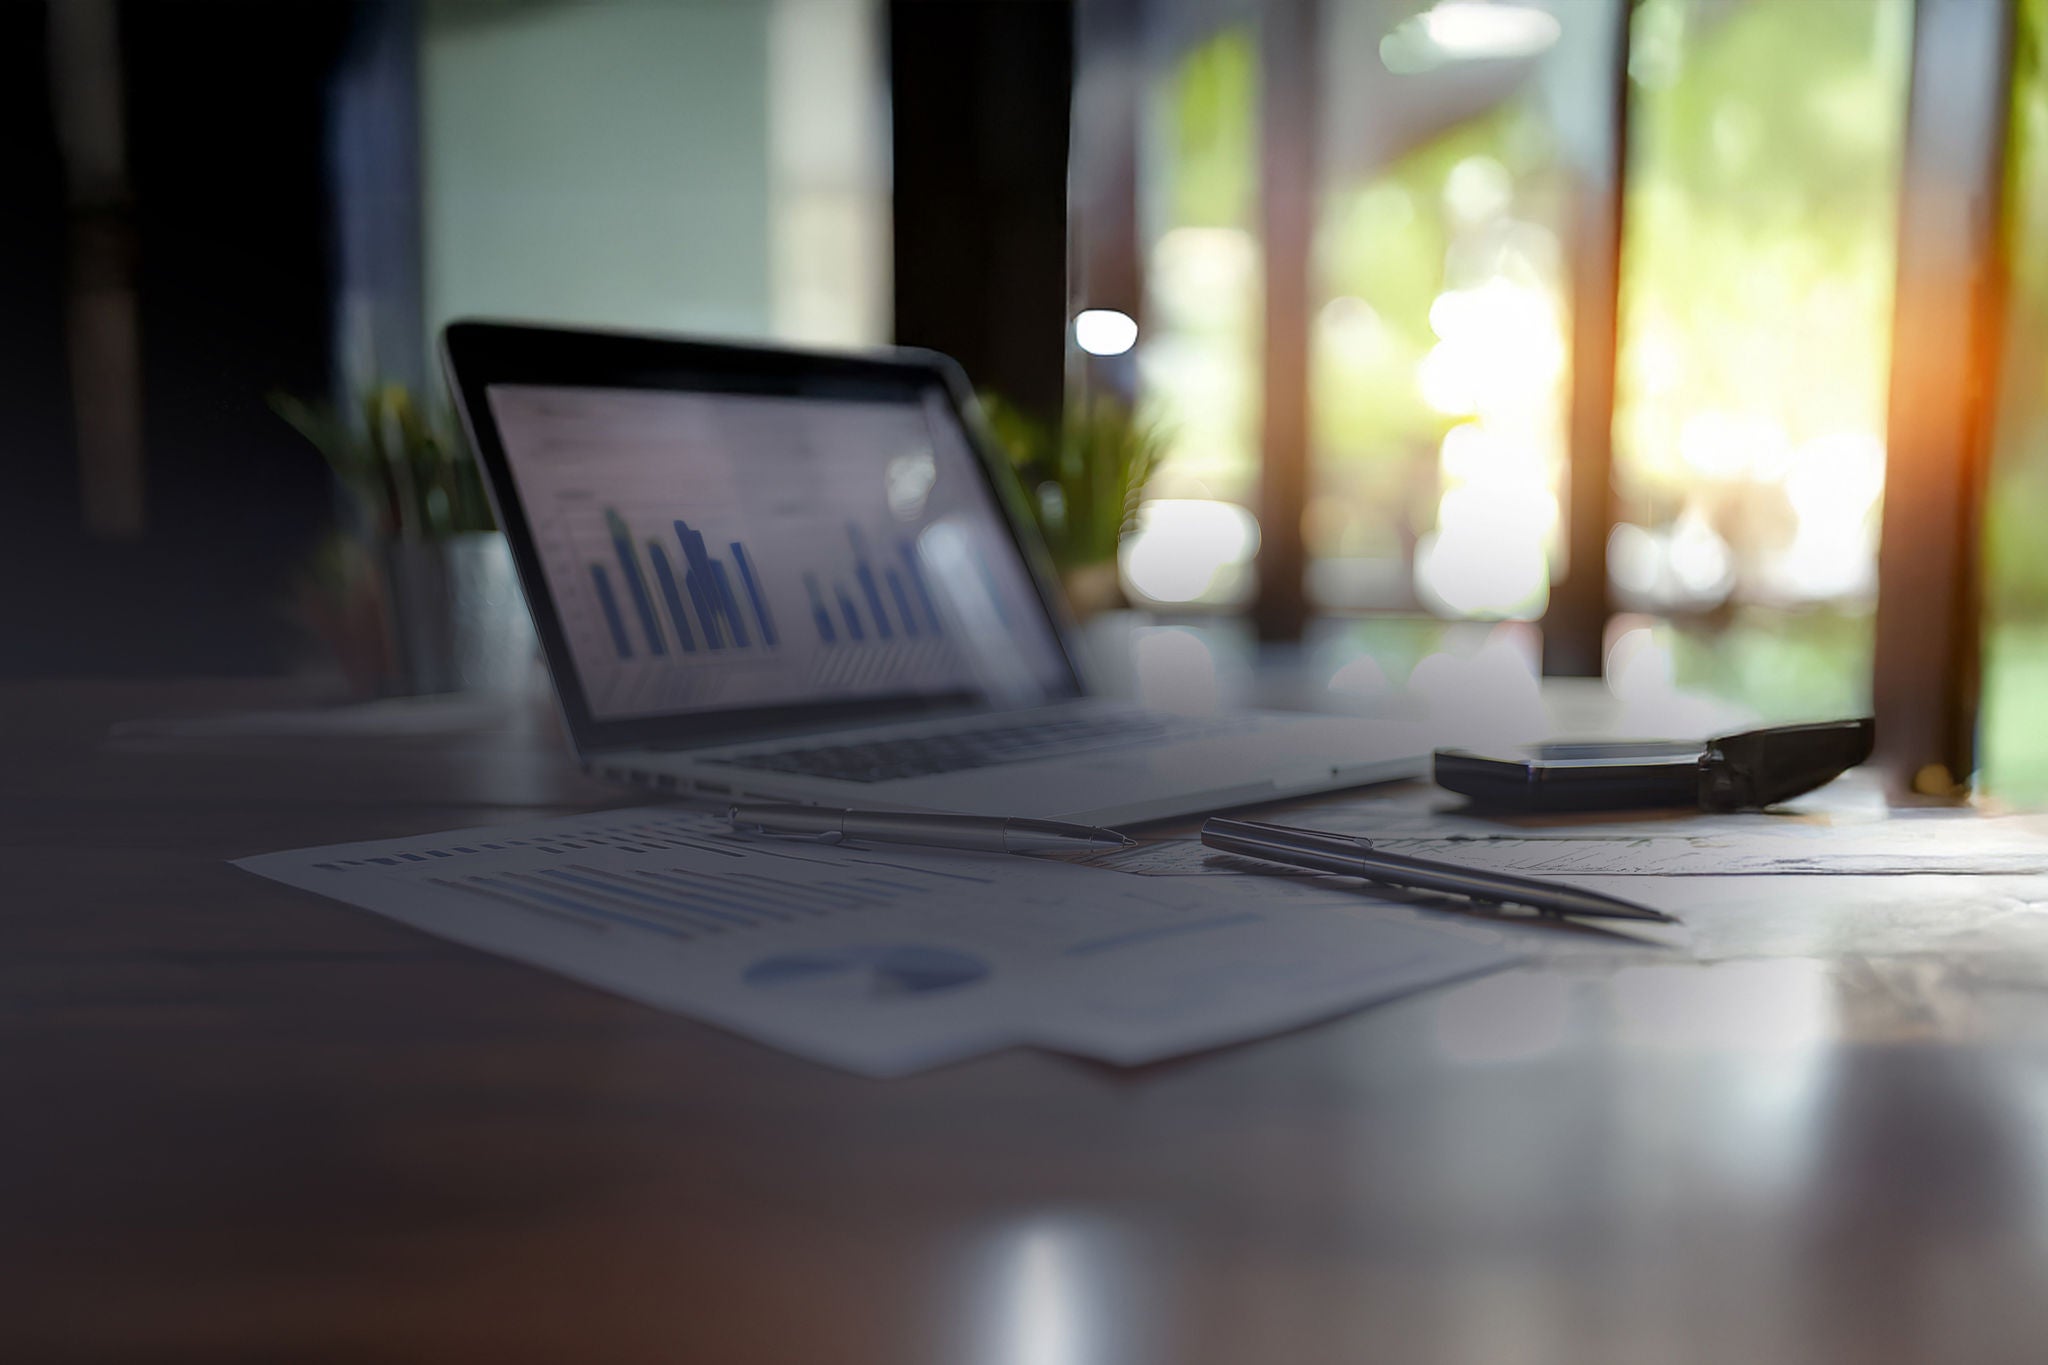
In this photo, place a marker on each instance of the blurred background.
(1699, 347)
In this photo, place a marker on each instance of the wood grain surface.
(243, 1123)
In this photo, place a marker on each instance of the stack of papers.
(889, 959)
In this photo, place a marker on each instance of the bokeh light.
(1105, 331)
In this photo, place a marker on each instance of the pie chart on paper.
(869, 971)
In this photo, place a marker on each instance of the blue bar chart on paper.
(870, 599)
(673, 592)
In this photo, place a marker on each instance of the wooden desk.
(244, 1123)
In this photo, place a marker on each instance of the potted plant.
(450, 597)
(1085, 482)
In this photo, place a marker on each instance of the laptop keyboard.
(961, 750)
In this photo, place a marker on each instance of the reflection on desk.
(244, 1123)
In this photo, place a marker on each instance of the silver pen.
(1352, 857)
(980, 833)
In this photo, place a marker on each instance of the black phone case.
(1539, 784)
(1746, 771)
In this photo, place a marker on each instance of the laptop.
(804, 577)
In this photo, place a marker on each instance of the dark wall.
(980, 93)
(225, 125)
(39, 490)
(228, 139)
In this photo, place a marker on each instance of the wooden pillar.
(980, 96)
(1575, 624)
(1289, 69)
(1945, 336)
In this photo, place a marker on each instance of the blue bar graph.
(629, 565)
(865, 573)
(703, 593)
(610, 604)
(850, 615)
(710, 586)
(684, 598)
(819, 615)
(873, 602)
(701, 602)
(739, 557)
(727, 605)
(666, 577)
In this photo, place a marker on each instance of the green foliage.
(1386, 241)
(1783, 663)
(1762, 206)
(1087, 479)
(1211, 168)
(411, 477)
(2016, 571)
(2013, 741)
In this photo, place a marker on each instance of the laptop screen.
(712, 551)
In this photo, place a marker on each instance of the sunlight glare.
(1184, 548)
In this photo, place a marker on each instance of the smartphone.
(1745, 771)
(1590, 776)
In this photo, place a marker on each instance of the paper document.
(887, 959)
(1707, 846)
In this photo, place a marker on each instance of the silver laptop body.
(805, 577)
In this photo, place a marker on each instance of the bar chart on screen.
(862, 604)
(703, 601)
(715, 602)
(707, 552)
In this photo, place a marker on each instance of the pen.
(1357, 858)
(982, 833)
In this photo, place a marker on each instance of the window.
(2014, 743)
(1440, 339)
(1472, 160)
(1198, 363)
(1757, 268)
